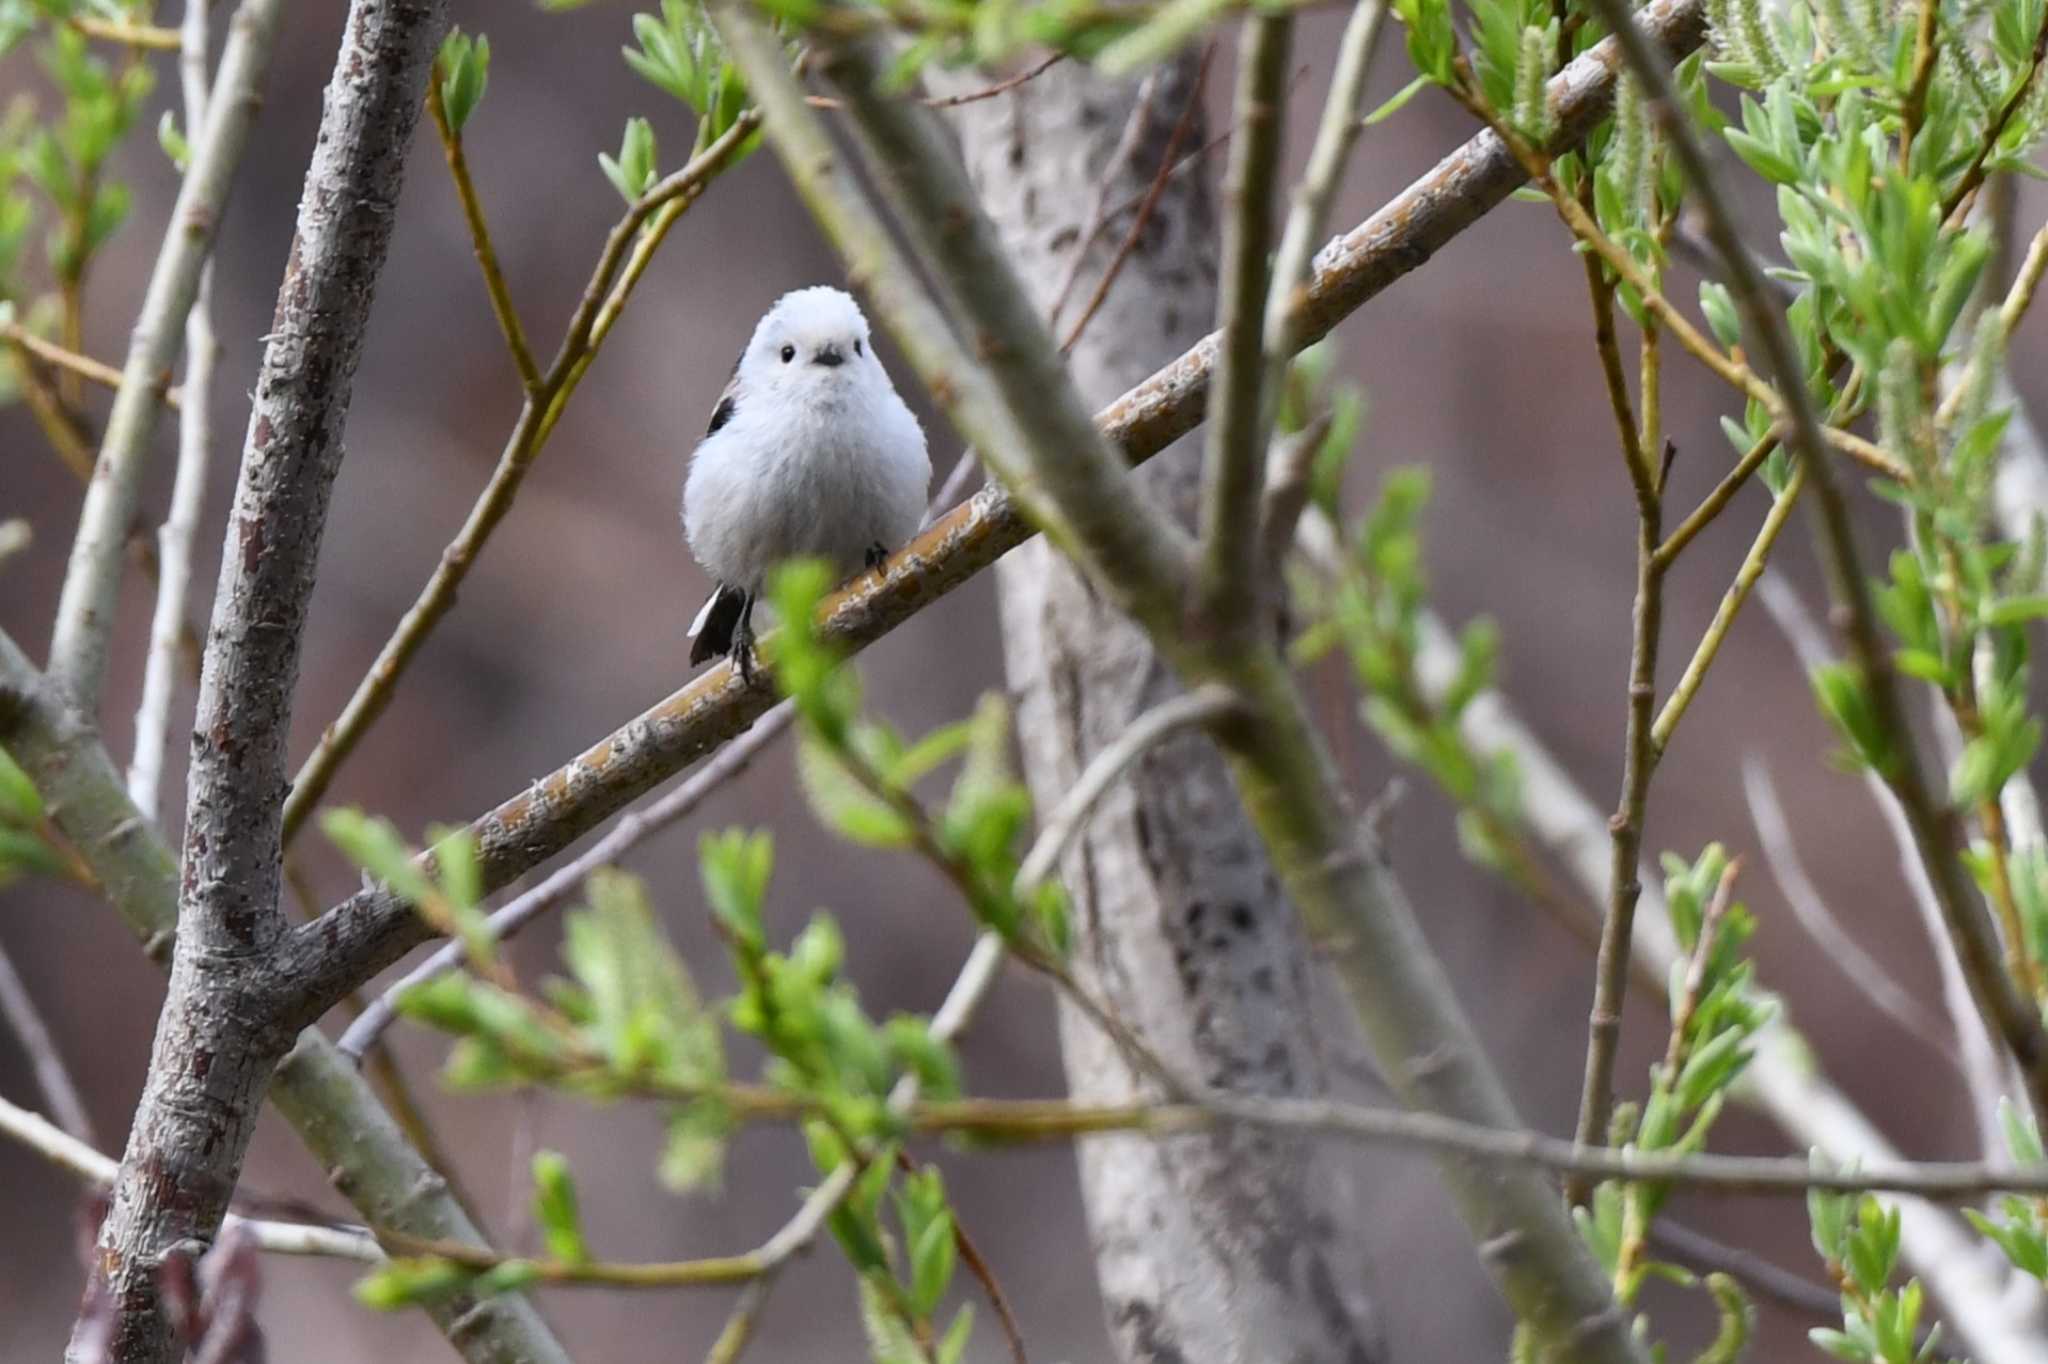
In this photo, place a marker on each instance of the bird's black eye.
(788, 354)
(856, 347)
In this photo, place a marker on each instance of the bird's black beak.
(828, 356)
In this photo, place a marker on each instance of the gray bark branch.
(225, 1023)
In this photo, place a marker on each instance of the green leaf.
(172, 141)
(694, 1153)
(23, 852)
(375, 846)
(953, 1345)
(634, 171)
(464, 69)
(2022, 1137)
(842, 804)
(736, 867)
(411, 1282)
(20, 803)
(1399, 100)
(555, 1208)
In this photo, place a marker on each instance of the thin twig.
(1762, 1277)
(1203, 706)
(1147, 203)
(624, 258)
(53, 1077)
(1958, 201)
(94, 371)
(1001, 87)
(1810, 907)
(188, 484)
(1136, 125)
(1337, 130)
(1290, 468)
(1639, 762)
(148, 37)
(83, 1160)
(1709, 647)
(480, 239)
(1987, 1071)
(1227, 584)
(85, 607)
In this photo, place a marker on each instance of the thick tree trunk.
(1214, 1247)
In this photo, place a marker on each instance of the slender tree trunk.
(1218, 1246)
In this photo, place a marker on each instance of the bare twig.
(85, 608)
(188, 485)
(1203, 706)
(54, 355)
(1147, 202)
(1290, 466)
(1136, 125)
(1810, 907)
(624, 258)
(1709, 647)
(1001, 87)
(53, 1077)
(1768, 1280)
(480, 241)
(84, 1161)
(148, 37)
(1987, 1071)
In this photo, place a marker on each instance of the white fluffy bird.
(810, 453)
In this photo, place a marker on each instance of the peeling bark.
(1216, 1246)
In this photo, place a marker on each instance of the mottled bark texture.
(225, 1022)
(1217, 1246)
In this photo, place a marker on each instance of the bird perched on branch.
(811, 452)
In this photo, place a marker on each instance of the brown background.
(1479, 366)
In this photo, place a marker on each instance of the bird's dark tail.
(717, 623)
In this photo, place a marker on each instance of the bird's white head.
(812, 345)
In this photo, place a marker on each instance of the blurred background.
(1480, 366)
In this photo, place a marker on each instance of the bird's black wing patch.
(721, 618)
(728, 401)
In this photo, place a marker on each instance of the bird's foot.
(877, 555)
(743, 646)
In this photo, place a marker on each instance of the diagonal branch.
(375, 928)
(224, 1025)
(85, 608)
